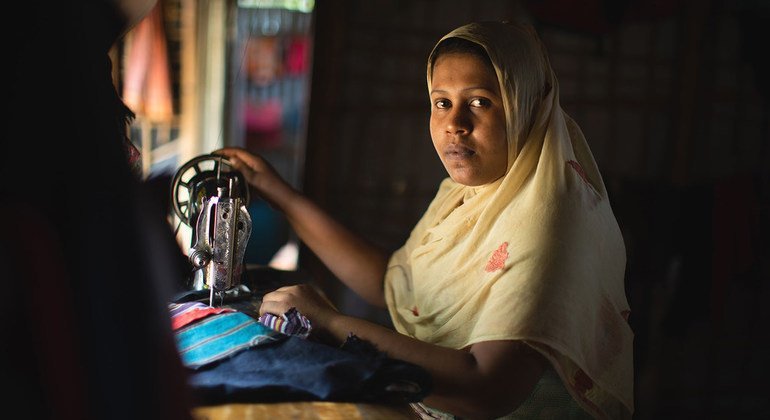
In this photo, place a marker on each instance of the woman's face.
(467, 121)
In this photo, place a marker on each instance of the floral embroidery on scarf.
(579, 169)
(497, 261)
(582, 382)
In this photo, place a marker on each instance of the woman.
(509, 290)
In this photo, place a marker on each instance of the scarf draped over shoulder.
(535, 256)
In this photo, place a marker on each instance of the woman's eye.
(480, 102)
(442, 103)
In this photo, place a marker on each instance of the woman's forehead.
(464, 68)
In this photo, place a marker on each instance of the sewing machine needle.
(211, 297)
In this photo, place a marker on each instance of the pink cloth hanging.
(147, 84)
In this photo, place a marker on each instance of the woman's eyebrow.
(443, 91)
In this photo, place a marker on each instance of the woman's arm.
(355, 262)
(490, 380)
(487, 380)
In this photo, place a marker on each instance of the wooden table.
(304, 411)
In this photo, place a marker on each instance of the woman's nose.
(458, 121)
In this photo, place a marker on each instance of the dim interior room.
(671, 97)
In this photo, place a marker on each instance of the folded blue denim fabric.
(219, 336)
(297, 369)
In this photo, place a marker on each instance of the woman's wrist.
(278, 194)
(340, 327)
(328, 327)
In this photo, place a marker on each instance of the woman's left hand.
(305, 298)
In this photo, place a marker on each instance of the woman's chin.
(472, 178)
(464, 179)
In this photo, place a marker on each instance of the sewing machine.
(211, 197)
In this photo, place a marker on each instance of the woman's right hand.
(259, 174)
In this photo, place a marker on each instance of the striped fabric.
(219, 336)
(187, 312)
(291, 323)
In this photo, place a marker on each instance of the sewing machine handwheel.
(199, 177)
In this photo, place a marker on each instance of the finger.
(244, 168)
(233, 153)
(280, 296)
(289, 288)
(237, 153)
(239, 164)
(226, 151)
(277, 308)
(274, 295)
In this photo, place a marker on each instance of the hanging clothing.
(147, 81)
(536, 255)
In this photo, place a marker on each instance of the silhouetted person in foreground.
(88, 255)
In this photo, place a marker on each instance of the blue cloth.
(220, 336)
(297, 369)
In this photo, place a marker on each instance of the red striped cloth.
(188, 312)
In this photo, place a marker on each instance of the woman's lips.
(458, 152)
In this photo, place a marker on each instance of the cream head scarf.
(536, 255)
